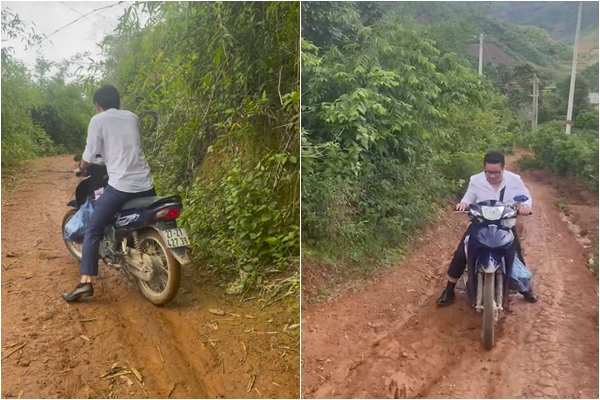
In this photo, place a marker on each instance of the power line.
(102, 29)
(71, 23)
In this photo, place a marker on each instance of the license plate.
(176, 238)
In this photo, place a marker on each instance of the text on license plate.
(176, 238)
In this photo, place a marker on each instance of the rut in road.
(181, 350)
(391, 340)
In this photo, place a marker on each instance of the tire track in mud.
(181, 350)
(548, 349)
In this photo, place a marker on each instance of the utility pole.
(536, 97)
(573, 72)
(481, 54)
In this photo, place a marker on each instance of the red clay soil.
(390, 340)
(52, 349)
(578, 203)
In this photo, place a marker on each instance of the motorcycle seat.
(150, 201)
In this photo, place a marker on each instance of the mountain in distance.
(534, 32)
(559, 18)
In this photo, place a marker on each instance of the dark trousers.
(459, 260)
(105, 209)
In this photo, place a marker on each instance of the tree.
(581, 95)
(327, 23)
(591, 75)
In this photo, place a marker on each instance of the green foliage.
(242, 221)
(456, 168)
(330, 23)
(528, 162)
(590, 74)
(587, 119)
(41, 116)
(580, 97)
(550, 106)
(526, 43)
(391, 127)
(574, 156)
(21, 138)
(216, 88)
(65, 113)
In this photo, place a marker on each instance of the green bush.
(367, 215)
(457, 169)
(528, 162)
(574, 156)
(587, 119)
(241, 222)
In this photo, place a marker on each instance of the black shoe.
(529, 296)
(447, 297)
(82, 290)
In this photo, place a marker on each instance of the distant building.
(593, 98)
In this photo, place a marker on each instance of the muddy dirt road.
(389, 339)
(52, 349)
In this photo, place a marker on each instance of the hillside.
(540, 34)
(508, 41)
(557, 17)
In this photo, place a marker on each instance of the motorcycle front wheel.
(163, 286)
(489, 320)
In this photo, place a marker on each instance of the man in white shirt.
(494, 183)
(115, 134)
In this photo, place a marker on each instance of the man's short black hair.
(494, 157)
(107, 97)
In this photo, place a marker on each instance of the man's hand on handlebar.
(524, 210)
(462, 207)
(81, 168)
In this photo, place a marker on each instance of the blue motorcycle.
(486, 276)
(145, 240)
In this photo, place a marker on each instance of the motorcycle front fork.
(498, 282)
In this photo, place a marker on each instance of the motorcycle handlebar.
(467, 211)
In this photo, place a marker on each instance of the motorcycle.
(485, 278)
(144, 241)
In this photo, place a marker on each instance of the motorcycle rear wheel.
(163, 286)
(75, 249)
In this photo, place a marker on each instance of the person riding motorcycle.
(115, 134)
(493, 183)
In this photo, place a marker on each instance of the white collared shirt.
(480, 189)
(115, 134)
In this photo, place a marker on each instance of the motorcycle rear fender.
(180, 253)
(140, 218)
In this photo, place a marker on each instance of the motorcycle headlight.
(492, 213)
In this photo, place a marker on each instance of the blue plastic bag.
(520, 276)
(75, 228)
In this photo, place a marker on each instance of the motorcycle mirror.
(77, 158)
(520, 199)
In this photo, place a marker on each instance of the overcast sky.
(79, 37)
